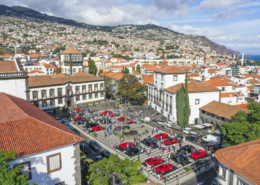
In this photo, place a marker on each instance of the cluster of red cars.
(161, 168)
(123, 119)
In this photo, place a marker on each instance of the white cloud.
(219, 4)
(227, 15)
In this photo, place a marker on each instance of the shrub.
(94, 104)
(146, 131)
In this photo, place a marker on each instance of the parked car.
(124, 145)
(176, 127)
(69, 126)
(211, 139)
(106, 112)
(94, 145)
(188, 131)
(84, 147)
(198, 154)
(153, 160)
(96, 128)
(105, 153)
(186, 148)
(164, 168)
(179, 158)
(82, 155)
(78, 118)
(90, 125)
(164, 135)
(58, 119)
(150, 141)
(88, 162)
(215, 147)
(192, 138)
(123, 119)
(98, 158)
(132, 150)
(170, 141)
(75, 130)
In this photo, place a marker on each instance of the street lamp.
(138, 146)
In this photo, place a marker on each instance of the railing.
(14, 75)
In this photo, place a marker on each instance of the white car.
(160, 123)
(169, 124)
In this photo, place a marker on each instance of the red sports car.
(106, 112)
(164, 135)
(124, 145)
(198, 154)
(111, 114)
(164, 168)
(154, 161)
(170, 141)
(77, 110)
(123, 119)
(96, 128)
(78, 118)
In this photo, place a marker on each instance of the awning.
(207, 125)
(199, 126)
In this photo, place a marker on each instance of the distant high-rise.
(71, 61)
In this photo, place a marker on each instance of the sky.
(233, 23)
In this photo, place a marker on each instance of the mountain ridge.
(20, 11)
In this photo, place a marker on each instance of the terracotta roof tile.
(170, 70)
(243, 106)
(229, 94)
(136, 72)
(71, 50)
(35, 71)
(218, 82)
(253, 81)
(29, 130)
(221, 109)
(7, 66)
(147, 79)
(117, 76)
(243, 159)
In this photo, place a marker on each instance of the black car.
(98, 158)
(214, 147)
(131, 150)
(179, 158)
(70, 127)
(75, 130)
(136, 102)
(186, 148)
(90, 125)
(192, 138)
(150, 141)
(84, 147)
(94, 145)
(105, 153)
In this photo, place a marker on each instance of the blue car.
(150, 141)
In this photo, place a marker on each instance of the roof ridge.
(7, 95)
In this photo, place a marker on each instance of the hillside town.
(161, 102)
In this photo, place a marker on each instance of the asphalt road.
(205, 179)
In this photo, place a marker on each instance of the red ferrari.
(78, 118)
(123, 119)
(124, 145)
(170, 141)
(96, 128)
(164, 168)
(77, 110)
(164, 135)
(154, 161)
(106, 112)
(111, 114)
(198, 154)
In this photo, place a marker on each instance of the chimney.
(242, 59)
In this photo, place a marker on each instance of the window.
(60, 101)
(224, 171)
(197, 101)
(84, 96)
(101, 87)
(77, 98)
(96, 87)
(223, 88)
(52, 93)
(175, 77)
(43, 94)
(240, 182)
(60, 92)
(83, 89)
(89, 88)
(44, 104)
(52, 102)
(53, 163)
(77, 89)
(96, 95)
(36, 103)
(90, 96)
(26, 169)
(74, 70)
(35, 95)
(102, 94)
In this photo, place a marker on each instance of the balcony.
(161, 89)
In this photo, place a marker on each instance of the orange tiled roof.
(221, 109)
(243, 106)
(218, 82)
(253, 81)
(35, 71)
(243, 159)
(29, 130)
(193, 74)
(136, 72)
(117, 76)
(147, 79)
(229, 94)
(71, 50)
(170, 70)
(193, 86)
(7, 66)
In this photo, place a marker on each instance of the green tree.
(187, 103)
(11, 175)
(5, 36)
(129, 87)
(180, 106)
(100, 71)
(243, 126)
(107, 170)
(92, 67)
(138, 68)
(125, 70)
(58, 70)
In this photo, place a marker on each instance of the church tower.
(71, 61)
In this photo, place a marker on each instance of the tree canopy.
(130, 87)
(180, 106)
(107, 170)
(11, 175)
(92, 67)
(187, 103)
(243, 126)
(138, 68)
(125, 70)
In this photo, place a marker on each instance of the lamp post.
(138, 146)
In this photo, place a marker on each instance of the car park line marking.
(92, 151)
